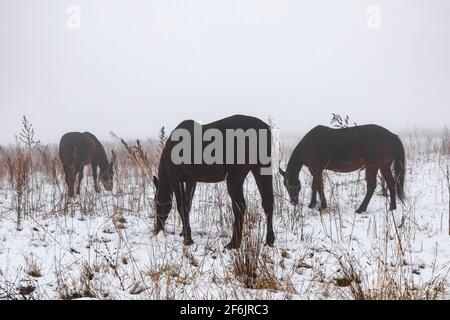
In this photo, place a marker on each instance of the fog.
(134, 66)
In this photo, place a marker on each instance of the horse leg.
(80, 178)
(314, 187)
(94, 176)
(236, 193)
(323, 200)
(180, 195)
(265, 188)
(371, 178)
(70, 180)
(239, 209)
(189, 195)
(389, 178)
(190, 190)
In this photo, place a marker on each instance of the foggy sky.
(135, 66)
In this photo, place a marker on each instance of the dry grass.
(19, 172)
(33, 267)
(252, 265)
(392, 283)
(32, 184)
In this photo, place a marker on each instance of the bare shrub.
(19, 168)
(2, 165)
(17, 289)
(33, 267)
(142, 159)
(447, 175)
(70, 289)
(252, 265)
(392, 283)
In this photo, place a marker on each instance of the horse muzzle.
(157, 230)
(108, 186)
(294, 201)
(160, 223)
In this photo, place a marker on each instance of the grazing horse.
(77, 150)
(181, 178)
(368, 147)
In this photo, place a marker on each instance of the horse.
(77, 150)
(181, 178)
(370, 147)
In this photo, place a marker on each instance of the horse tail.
(67, 152)
(75, 153)
(399, 168)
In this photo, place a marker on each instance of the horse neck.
(295, 163)
(163, 176)
(100, 158)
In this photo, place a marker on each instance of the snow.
(103, 247)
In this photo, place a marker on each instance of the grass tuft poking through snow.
(101, 246)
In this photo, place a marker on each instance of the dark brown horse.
(344, 150)
(77, 150)
(181, 178)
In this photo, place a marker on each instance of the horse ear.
(156, 181)
(283, 173)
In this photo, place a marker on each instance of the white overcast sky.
(135, 66)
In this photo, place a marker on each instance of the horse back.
(233, 122)
(202, 172)
(77, 149)
(347, 149)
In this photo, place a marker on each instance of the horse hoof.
(322, 209)
(270, 239)
(97, 189)
(359, 211)
(188, 242)
(157, 230)
(231, 246)
(269, 244)
(311, 205)
(392, 208)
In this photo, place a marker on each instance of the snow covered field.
(102, 246)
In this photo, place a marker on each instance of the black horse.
(344, 150)
(181, 178)
(77, 150)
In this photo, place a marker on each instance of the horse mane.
(165, 154)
